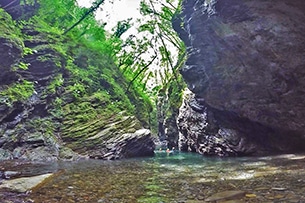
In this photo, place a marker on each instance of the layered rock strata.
(42, 116)
(246, 67)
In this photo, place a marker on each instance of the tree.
(93, 8)
(155, 54)
(155, 40)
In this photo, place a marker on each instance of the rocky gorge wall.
(246, 69)
(61, 99)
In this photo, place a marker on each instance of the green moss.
(77, 89)
(55, 84)
(102, 96)
(143, 105)
(95, 76)
(17, 92)
(92, 89)
(27, 51)
(45, 27)
(51, 55)
(10, 30)
(21, 66)
(57, 110)
(44, 127)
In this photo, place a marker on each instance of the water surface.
(178, 177)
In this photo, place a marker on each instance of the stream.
(174, 178)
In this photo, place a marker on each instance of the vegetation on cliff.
(65, 80)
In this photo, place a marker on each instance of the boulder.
(137, 144)
(246, 67)
(121, 138)
(106, 134)
(200, 133)
(24, 184)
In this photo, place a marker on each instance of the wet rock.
(193, 201)
(137, 144)
(11, 49)
(10, 174)
(171, 130)
(121, 138)
(279, 188)
(233, 201)
(5, 154)
(167, 111)
(40, 153)
(245, 65)
(25, 123)
(226, 195)
(200, 132)
(66, 153)
(24, 184)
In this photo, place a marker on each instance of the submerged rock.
(245, 65)
(24, 184)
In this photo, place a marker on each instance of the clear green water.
(180, 177)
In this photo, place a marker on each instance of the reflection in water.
(178, 177)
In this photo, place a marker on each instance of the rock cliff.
(246, 68)
(62, 99)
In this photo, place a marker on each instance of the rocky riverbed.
(175, 177)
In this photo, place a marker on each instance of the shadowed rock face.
(246, 63)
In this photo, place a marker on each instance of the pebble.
(279, 196)
(226, 195)
(233, 201)
(10, 174)
(261, 188)
(251, 195)
(279, 188)
(193, 201)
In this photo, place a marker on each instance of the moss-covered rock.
(63, 99)
(11, 47)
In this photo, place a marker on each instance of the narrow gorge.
(93, 115)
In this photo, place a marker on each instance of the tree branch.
(143, 69)
(91, 10)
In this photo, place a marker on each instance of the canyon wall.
(246, 68)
